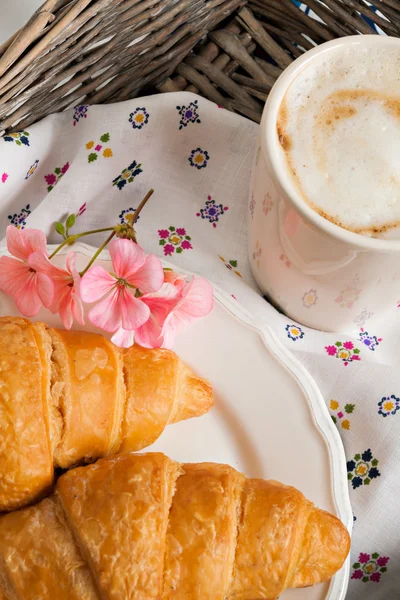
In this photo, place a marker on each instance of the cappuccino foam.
(339, 127)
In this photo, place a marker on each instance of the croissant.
(68, 397)
(144, 527)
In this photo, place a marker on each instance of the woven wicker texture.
(230, 51)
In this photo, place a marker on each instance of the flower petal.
(70, 308)
(65, 311)
(77, 308)
(160, 304)
(198, 298)
(149, 334)
(150, 277)
(134, 312)
(45, 289)
(175, 279)
(15, 243)
(106, 313)
(28, 288)
(70, 263)
(40, 262)
(29, 303)
(21, 243)
(127, 258)
(95, 284)
(197, 301)
(123, 338)
(11, 272)
(34, 239)
(60, 277)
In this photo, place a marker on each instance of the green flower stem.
(143, 203)
(72, 238)
(96, 254)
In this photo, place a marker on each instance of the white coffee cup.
(315, 271)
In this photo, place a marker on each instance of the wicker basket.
(230, 51)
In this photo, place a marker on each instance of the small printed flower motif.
(362, 469)
(199, 158)
(257, 254)
(19, 220)
(267, 204)
(363, 317)
(349, 295)
(370, 567)
(252, 205)
(338, 415)
(80, 113)
(345, 351)
(126, 214)
(231, 265)
(310, 298)
(139, 118)
(174, 240)
(283, 258)
(127, 175)
(107, 152)
(212, 211)
(81, 210)
(389, 405)
(32, 169)
(53, 178)
(4, 177)
(294, 332)
(188, 114)
(20, 139)
(370, 341)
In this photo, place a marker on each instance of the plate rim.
(321, 417)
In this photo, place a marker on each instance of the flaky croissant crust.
(144, 527)
(68, 397)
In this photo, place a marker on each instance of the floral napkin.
(99, 161)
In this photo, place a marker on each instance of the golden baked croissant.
(143, 527)
(68, 397)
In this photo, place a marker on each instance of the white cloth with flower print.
(100, 161)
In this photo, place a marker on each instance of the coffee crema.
(339, 128)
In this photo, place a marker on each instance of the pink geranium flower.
(174, 307)
(121, 311)
(67, 301)
(18, 277)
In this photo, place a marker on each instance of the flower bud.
(125, 231)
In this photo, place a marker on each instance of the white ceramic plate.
(269, 421)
